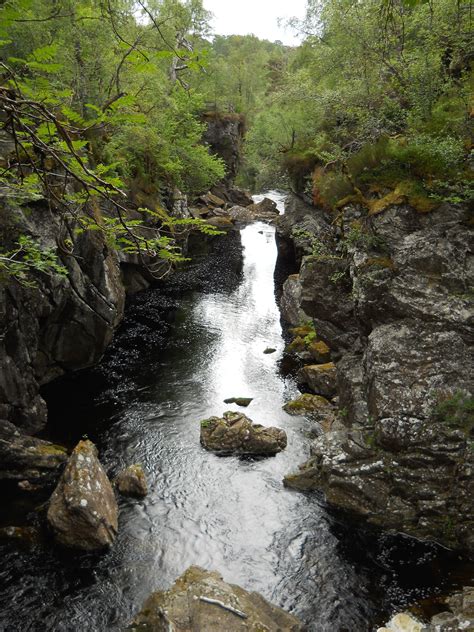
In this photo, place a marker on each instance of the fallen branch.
(224, 606)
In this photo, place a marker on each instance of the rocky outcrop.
(234, 433)
(28, 460)
(201, 600)
(83, 512)
(389, 294)
(61, 323)
(132, 482)
(224, 135)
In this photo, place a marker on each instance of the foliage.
(456, 410)
(377, 87)
(84, 125)
(26, 257)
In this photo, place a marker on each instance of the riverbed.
(143, 405)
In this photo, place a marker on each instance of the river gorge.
(180, 352)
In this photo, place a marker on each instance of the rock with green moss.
(234, 433)
(132, 482)
(201, 600)
(83, 512)
(307, 404)
(320, 378)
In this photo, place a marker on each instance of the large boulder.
(201, 601)
(24, 458)
(234, 433)
(83, 512)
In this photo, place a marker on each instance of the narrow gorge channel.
(226, 514)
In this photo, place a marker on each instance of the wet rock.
(459, 615)
(307, 404)
(269, 350)
(234, 433)
(29, 536)
(240, 197)
(319, 351)
(265, 210)
(209, 199)
(132, 482)
(28, 459)
(240, 401)
(403, 622)
(201, 600)
(320, 378)
(83, 512)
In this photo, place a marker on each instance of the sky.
(259, 17)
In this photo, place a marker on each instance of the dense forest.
(112, 96)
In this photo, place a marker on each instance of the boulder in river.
(201, 600)
(132, 482)
(234, 433)
(83, 512)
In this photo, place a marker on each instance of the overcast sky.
(242, 17)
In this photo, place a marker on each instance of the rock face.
(201, 600)
(132, 482)
(24, 458)
(83, 512)
(234, 433)
(388, 294)
(224, 135)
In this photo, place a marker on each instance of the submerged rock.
(132, 482)
(83, 512)
(28, 459)
(201, 600)
(240, 401)
(234, 433)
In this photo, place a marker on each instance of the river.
(233, 515)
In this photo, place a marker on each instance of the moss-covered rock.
(234, 433)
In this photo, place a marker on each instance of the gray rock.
(234, 433)
(397, 314)
(83, 512)
(132, 482)
(290, 302)
(201, 600)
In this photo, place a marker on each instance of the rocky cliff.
(389, 290)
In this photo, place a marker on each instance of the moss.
(379, 262)
(406, 192)
(302, 330)
(306, 403)
(47, 449)
(456, 410)
(296, 345)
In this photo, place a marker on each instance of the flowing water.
(229, 514)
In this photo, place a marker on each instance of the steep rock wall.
(390, 294)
